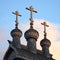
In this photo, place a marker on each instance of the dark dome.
(45, 42)
(31, 33)
(16, 32)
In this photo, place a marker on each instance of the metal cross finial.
(31, 9)
(45, 25)
(17, 14)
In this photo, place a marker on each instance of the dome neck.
(31, 44)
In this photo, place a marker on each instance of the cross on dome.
(17, 14)
(45, 25)
(31, 9)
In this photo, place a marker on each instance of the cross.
(31, 9)
(17, 14)
(45, 25)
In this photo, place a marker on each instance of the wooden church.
(17, 51)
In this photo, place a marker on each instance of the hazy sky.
(48, 10)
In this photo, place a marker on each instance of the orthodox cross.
(45, 25)
(17, 14)
(31, 9)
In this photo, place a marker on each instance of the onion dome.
(45, 42)
(16, 32)
(31, 33)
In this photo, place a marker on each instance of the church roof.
(25, 53)
(18, 51)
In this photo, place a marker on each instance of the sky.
(48, 11)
